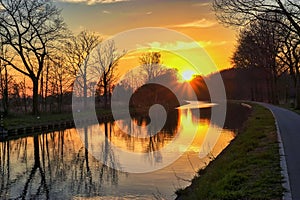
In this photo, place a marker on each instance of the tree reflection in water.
(53, 165)
(43, 187)
(138, 139)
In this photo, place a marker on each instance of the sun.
(188, 75)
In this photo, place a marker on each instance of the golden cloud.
(202, 23)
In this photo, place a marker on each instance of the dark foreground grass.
(25, 120)
(249, 168)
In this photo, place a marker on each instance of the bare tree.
(60, 78)
(23, 90)
(289, 59)
(78, 51)
(56, 81)
(241, 12)
(105, 62)
(151, 65)
(258, 47)
(30, 29)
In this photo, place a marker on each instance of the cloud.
(212, 43)
(202, 23)
(149, 13)
(182, 45)
(175, 46)
(92, 2)
(202, 4)
(106, 12)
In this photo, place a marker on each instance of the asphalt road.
(288, 124)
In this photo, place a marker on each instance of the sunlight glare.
(188, 75)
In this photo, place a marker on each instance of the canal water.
(57, 165)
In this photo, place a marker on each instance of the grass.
(25, 120)
(249, 168)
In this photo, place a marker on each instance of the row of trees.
(36, 45)
(269, 41)
(29, 31)
(41, 61)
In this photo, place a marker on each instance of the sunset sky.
(194, 18)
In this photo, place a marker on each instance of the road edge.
(283, 164)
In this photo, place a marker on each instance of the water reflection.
(140, 139)
(57, 166)
(54, 165)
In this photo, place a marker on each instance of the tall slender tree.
(78, 50)
(105, 62)
(4, 79)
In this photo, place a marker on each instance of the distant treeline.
(255, 84)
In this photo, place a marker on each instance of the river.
(57, 165)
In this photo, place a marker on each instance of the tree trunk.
(60, 96)
(35, 96)
(42, 93)
(25, 96)
(106, 91)
(46, 89)
(275, 92)
(252, 93)
(85, 87)
(105, 97)
(105, 85)
(297, 102)
(268, 99)
(5, 96)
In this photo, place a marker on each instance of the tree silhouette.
(105, 62)
(289, 59)
(151, 65)
(241, 12)
(29, 29)
(258, 47)
(4, 79)
(43, 187)
(78, 51)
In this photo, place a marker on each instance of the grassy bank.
(249, 168)
(26, 120)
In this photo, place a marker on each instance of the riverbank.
(17, 126)
(249, 168)
(25, 120)
(23, 125)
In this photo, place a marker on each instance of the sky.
(193, 18)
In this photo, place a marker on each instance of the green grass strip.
(26, 120)
(249, 168)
